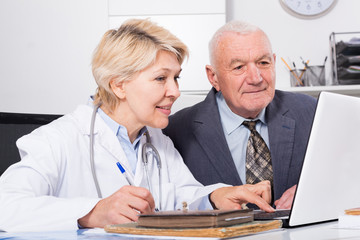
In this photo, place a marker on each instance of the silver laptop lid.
(330, 176)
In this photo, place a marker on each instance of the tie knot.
(250, 125)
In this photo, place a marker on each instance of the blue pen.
(122, 170)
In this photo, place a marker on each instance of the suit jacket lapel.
(207, 125)
(281, 137)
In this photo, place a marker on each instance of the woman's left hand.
(234, 197)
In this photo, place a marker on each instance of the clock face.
(308, 8)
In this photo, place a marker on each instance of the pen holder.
(315, 76)
(297, 77)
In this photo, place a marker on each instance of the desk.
(324, 231)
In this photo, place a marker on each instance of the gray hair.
(232, 26)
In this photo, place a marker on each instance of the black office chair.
(12, 127)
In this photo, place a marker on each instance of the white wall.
(293, 37)
(46, 46)
(45, 52)
(194, 22)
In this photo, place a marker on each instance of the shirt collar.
(229, 119)
(118, 129)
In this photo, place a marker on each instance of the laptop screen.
(329, 180)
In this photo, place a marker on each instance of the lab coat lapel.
(109, 141)
(104, 137)
(107, 151)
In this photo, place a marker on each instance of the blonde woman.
(108, 161)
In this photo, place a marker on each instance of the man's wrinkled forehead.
(244, 47)
(233, 37)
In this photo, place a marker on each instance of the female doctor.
(108, 161)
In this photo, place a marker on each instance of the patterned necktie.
(258, 158)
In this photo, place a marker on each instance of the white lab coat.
(52, 186)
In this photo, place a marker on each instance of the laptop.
(329, 180)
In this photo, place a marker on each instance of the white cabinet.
(194, 22)
(46, 46)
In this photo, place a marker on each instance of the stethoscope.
(145, 158)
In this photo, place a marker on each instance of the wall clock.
(308, 8)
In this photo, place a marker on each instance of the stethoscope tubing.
(92, 162)
(145, 161)
(148, 144)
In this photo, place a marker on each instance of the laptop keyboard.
(278, 214)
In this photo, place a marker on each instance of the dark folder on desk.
(195, 219)
(329, 179)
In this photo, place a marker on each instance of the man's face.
(244, 72)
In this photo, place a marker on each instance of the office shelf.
(351, 90)
(345, 57)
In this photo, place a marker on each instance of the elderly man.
(245, 131)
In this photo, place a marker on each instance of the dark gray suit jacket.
(198, 135)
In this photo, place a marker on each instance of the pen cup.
(297, 77)
(315, 75)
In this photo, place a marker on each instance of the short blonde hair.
(124, 52)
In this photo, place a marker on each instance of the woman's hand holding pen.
(121, 207)
(234, 197)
